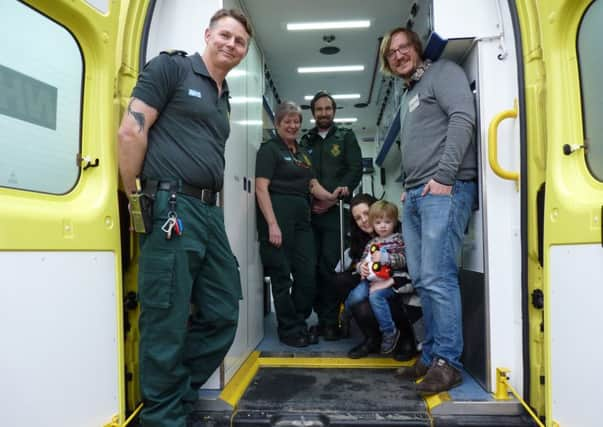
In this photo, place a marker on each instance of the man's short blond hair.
(235, 14)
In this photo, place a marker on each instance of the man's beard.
(324, 123)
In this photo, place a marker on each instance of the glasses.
(402, 49)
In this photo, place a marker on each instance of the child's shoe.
(389, 341)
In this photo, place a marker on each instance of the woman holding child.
(388, 296)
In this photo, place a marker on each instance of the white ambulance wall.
(180, 25)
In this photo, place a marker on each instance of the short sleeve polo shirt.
(188, 139)
(288, 173)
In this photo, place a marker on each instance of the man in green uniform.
(337, 162)
(172, 136)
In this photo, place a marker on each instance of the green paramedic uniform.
(292, 266)
(189, 285)
(337, 162)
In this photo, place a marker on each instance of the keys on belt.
(172, 225)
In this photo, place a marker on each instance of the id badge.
(413, 103)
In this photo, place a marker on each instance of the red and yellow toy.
(378, 271)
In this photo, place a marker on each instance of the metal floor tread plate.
(317, 396)
(309, 396)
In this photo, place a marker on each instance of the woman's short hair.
(284, 109)
(413, 39)
(383, 209)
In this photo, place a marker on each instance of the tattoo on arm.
(138, 116)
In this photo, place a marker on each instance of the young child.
(376, 286)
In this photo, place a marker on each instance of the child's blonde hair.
(381, 209)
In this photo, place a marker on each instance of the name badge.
(195, 93)
(413, 103)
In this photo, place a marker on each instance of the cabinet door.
(235, 203)
(255, 287)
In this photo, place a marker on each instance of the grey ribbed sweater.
(437, 133)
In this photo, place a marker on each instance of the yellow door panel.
(60, 247)
(565, 253)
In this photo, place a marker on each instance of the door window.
(41, 71)
(590, 57)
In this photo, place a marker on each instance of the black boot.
(406, 348)
(365, 319)
(366, 347)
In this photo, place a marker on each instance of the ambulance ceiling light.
(341, 120)
(335, 69)
(337, 96)
(328, 25)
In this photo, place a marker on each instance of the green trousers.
(189, 290)
(292, 266)
(327, 236)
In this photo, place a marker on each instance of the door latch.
(86, 162)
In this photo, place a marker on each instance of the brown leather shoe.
(412, 373)
(440, 377)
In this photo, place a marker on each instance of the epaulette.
(341, 132)
(308, 135)
(173, 52)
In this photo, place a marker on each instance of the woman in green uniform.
(284, 185)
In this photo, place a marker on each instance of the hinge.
(131, 301)
(538, 299)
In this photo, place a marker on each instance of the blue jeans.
(379, 304)
(357, 295)
(433, 227)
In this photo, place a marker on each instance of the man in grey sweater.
(439, 166)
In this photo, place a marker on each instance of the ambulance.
(532, 260)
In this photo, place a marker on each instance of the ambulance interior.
(477, 34)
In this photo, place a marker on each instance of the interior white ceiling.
(284, 51)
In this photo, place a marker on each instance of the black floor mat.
(330, 397)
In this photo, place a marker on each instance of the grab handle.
(493, 145)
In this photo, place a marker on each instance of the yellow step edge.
(241, 379)
(436, 400)
(330, 362)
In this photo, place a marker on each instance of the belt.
(205, 195)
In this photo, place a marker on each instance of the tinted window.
(590, 54)
(41, 73)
